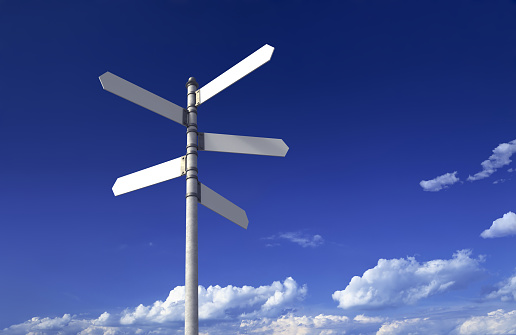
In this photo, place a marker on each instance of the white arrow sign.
(150, 176)
(237, 72)
(222, 206)
(144, 98)
(242, 144)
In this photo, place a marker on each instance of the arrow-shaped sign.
(237, 72)
(222, 206)
(150, 176)
(242, 144)
(144, 98)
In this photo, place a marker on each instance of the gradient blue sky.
(372, 97)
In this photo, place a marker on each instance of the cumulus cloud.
(303, 240)
(417, 326)
(296, 325)
(228, 303)
(67, 324)
(504, 226)
(217, 302)
(321, 324)
(496, 322)
(500, 157)
(288, 324)
(506, 290)
(438, 183)
(396, 282)
(400, 326)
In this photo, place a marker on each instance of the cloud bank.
(417, 326)
(293, 325)
(501, 227)
(224, 304)
(395, 282)
(288, 324)
(439, 183)
(496, 322)
(500, 157)
(67, 324)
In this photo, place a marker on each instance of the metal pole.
(191, 261)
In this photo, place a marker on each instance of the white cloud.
(404, 281)
(496, 322)
(172, 309)
(438, 183)
(217, 302)
(511, 170)
(332, 324)
(303, 240)
(399, 326)
(506, 290)
(500, 157)
(501, 227)
(67, 324)
(418, 326)
(368, 319)
(224, 304)
(296, 325)
(247, 310)
(283, 325)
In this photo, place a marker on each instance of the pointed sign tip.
(244, 221)
(115, 188)
(270, 48)
(103, 79)
(118, 187)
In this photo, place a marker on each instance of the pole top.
(192, 81)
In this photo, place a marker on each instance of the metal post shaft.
(191, 261)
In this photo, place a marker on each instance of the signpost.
(196, 192)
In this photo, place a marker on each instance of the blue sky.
(393, 211)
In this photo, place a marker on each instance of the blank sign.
(237, 72)
(242, 144)
(144, 98)
(222, 206)
(150, 176)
